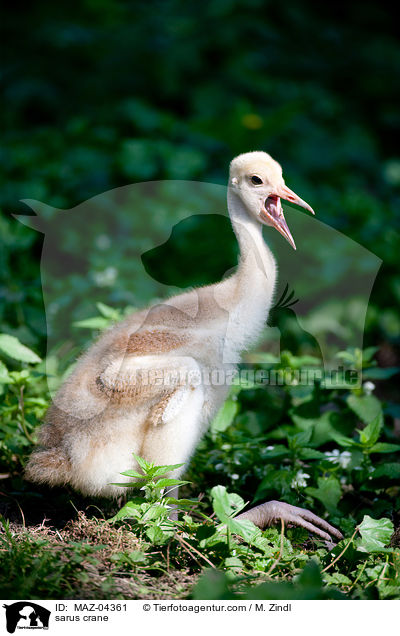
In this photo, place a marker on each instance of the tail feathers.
(48, 466)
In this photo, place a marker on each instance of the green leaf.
(4, 377)
(376, 373)
(298, 362)
(15, 349)
(144, 465)
(233, 562)
(370, 434)
(133, 473)
(137, 556)
(328, 491)
(156, 535)
(244, 528)
(337, 579)
(344, 441)
(161, 470)
(383, 447)
(155, 512)
(225, 416)
(375, 534)
(131, 510)
(184, 503)
(165, 483)
(224, 503)
(322, 427)
(369, 353)
(300, 439)
(366, 407)
(97, 322)
(277, 451)
(346, 355)
(108, 312)
(311, 575)
(311, 453)
(391, 470)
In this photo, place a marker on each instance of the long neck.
(253, 249)
(247, 295)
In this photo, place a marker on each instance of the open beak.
(272, 213)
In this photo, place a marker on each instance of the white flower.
(235, 476)
(335, 456)
(106, 278)
(270, 448)
(368, 387)
(300, 481)
(103, 242)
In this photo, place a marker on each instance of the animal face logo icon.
(26, 615)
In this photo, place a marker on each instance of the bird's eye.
(256, 180)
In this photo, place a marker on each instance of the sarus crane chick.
(116, 401)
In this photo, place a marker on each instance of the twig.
(61, 539)
(168, 547)
(22, 514)
(342, 552)
(187, 550)
(358, 576)
(181, 540)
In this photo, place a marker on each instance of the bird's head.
(257, 179)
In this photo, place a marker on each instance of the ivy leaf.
(328, 491)
(375, 534)
(16, 350)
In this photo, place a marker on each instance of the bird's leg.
(272, 511)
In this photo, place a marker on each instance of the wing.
(160, 382)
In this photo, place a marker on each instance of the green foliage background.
(99, 94)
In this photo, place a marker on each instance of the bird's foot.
(272, 511)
